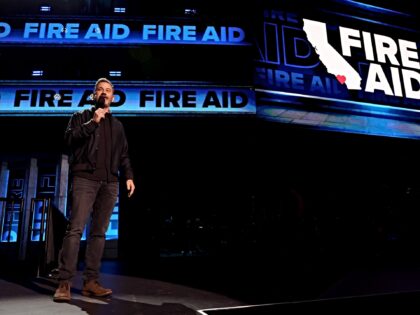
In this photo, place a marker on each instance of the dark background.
(272, 198)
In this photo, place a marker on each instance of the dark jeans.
(89, 197)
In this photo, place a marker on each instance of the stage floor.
(186, 287)
(132, 295)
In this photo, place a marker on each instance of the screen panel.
(199, 58)
(64, 98)
(339, 65)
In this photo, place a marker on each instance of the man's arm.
(78, 130)
(125, 162)
(126, 168)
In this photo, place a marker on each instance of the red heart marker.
(341, 78)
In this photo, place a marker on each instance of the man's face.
(104, 94)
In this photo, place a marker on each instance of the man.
(99, 151)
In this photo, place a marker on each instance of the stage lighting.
(45, 8)
(119, 10)
(191, 12)
(37, 73)
(115, 73)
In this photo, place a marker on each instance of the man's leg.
(84, 192)
(102, 211)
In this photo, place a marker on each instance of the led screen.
(341, 65)
(185, 58)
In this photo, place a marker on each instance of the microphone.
(100, 103)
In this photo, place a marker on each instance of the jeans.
(89, 197)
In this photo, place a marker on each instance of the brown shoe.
(62, 294)
(93, 288)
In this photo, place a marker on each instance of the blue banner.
(29, 31)
(130, 99)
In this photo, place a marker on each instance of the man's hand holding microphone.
(100, 114)
(101, 110)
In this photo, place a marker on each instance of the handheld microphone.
(100, 103)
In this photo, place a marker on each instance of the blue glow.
(348, 123)
(295, 50)
(10, 224)
(370, 7)
(297, 53)
(371, 21)
(266, 40)
(37, 220)
(5, 29)
(112, 232)
(368, 106)
(107, 42)
(41, 33)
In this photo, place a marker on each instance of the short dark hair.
(103, 80)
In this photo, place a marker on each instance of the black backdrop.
(239, 187)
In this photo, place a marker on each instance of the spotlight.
(191, 12)
(45, 8)
(115, 73)
(37, 73)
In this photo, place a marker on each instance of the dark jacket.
(81, 137)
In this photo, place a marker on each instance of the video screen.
(188, 57)
(339, 65)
